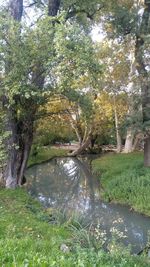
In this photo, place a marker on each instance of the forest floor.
(125, 180)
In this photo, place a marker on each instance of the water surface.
(68, 184)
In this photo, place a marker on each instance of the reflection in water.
(67, 184)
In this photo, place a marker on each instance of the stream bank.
(124, 180)
(67, 184)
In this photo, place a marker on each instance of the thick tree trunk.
(129, 141)
(25, 142)
(10, 170)
(18, 147)
(140, 52)
(16, 9)
(137, 140)
(53, 7)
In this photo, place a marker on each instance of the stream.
(68, 184)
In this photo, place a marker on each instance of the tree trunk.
(25, 142)
(129, 141)
(53, 7)
(10, 170)
(75, 124)
(147, 152)
(118, 137)
(78, 134)
(136, 144)
(18, 146)
(93, 140)
(16, 9)
(140, 52)
(84, 146)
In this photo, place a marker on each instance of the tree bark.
(129, 141)
(16, 9)
(147, 152)
(26, 128)
(141, 37)
(118, 136)
(10, 171)
(53, 7)
(136, 144)
(93, 140)
(83, 147)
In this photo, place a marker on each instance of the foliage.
(104, 115)
(54, 125)
(124, 180)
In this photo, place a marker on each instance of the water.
(68, 184)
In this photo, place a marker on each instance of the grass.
(124, 180)
(25, 236)
(27, 239)
(46, 153)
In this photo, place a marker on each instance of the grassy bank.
(28, 239)
(124, 180)
(46, 153)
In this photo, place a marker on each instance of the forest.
(75, 133)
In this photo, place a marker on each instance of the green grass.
(46, 153)
(24, 235)
(124, 180)
(28, 240)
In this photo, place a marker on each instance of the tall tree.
(11, 169)
(142, 51)
(20, 128)
(29, 59)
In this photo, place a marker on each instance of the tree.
(131, 18)
(115, 54)
(30, 58)
(140, 29)
(142, 49)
